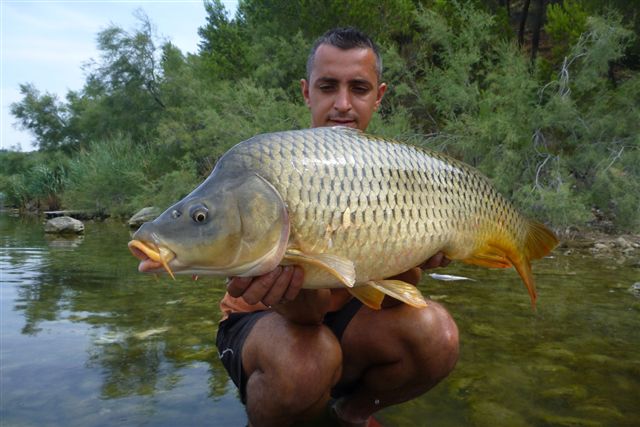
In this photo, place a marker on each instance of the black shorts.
(233, 331)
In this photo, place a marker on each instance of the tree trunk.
(506, 4)
(538, 18)
(523, 22)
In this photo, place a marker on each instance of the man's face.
(343, 89)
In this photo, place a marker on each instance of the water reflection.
(143, 336)
(88, 341)
(64, 241)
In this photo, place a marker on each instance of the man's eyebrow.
(332, 80)
(361, 82)
(326, 80)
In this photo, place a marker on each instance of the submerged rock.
(623, 243)
(635, 289)
(150, 332)
(64, 224)
(144, 215)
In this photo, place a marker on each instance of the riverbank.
(621, 248)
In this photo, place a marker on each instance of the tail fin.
(538, 242)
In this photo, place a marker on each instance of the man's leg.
(290, 368)
(394, 355)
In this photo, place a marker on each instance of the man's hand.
(281, 289)
(438, 260)
(278, 286)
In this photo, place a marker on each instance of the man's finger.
(438, 260)
(238, 285)
(260, 286)
(277, 291)
(295, 284)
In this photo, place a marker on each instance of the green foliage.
(169, 188)
(449, 50)
(555, 139)
(107, 176)
(224, 44)
(386, 20)
(14, 190)
(15, 162)
(558, 137)
(269, 40)
(616, 190)
(566, 21)
(37, 188)
(219, 116)
(44, 115)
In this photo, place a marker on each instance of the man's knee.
(314, 364)
(436, 338)
(297, 368)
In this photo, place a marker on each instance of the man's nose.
(342, 101)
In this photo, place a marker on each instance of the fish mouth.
(152, 257)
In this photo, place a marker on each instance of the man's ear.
(304, 86)
(382, 88)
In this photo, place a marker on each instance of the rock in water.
(64, 224)
(635, 289)
(144, 215)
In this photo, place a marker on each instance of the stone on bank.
(64, 225)
(145, 214)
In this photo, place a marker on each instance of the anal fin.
(370, 296)
(489, 256)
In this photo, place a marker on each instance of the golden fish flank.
(350, 208)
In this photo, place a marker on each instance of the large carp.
(349, 208)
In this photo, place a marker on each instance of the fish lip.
(149, 266)
(152, 257)
(344, 122)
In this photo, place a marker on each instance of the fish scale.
(359, 209)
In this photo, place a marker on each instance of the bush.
(107, 176)
(170, 187)
(38, 188)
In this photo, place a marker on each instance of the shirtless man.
(291, 351)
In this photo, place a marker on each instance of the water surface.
(86, 340)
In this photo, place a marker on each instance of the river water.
(86, 340)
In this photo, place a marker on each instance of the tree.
(44, 115)
(538, 20)
(123, 89)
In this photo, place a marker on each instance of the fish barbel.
(351, 209)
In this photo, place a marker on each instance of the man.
(291, 350)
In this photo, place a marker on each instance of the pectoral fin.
(401, 291)
(490, 256)
(341, 268)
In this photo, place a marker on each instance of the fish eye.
(199, 213)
